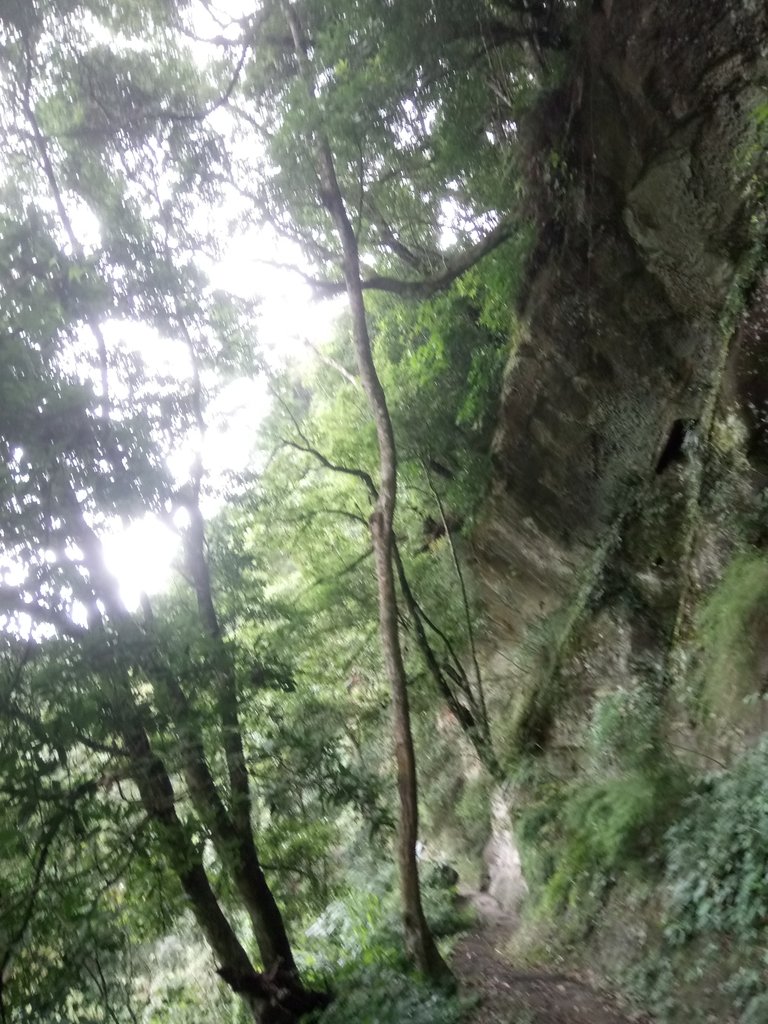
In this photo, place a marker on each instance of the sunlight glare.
(141, 556)
(160, 354)
(259, 264)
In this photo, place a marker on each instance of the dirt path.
(509, 996)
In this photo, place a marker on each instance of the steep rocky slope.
(622, 556)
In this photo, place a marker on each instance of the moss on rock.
(732, 634)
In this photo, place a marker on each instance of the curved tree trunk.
(420, 943)
(277, 995)
(231, 825)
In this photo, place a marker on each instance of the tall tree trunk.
(467, 714)
(232, 829)
(420, 943)
(419, 940)
(237, 850)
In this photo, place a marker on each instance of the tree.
(351, 121)
(81, 453)
(327, 173)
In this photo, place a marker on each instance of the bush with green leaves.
(624, 728)
(717, 856)
(593, 832)
(363, 926)
(709, 961)
(381, 994)
(354, 946)
(729, 627)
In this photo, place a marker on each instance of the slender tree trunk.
(485, 723)
(470, 719)
(272, 997)
(236, 850)
(232, 829)
(466, 714)
(420, 943)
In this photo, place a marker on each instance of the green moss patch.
(732, 632)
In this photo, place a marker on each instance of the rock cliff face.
(637, 376)
(625, 545)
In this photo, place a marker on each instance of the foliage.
(354, 945)
(691, 854)
(309, 510)
(456, 793)
(710, 957)
(717, 853)
(148, 751)
(580, 838)
(173, 981)
(381, 994)
(361, 926)
(624, 729)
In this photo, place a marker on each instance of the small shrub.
(624, 729)
(730, 626)
(595, 831)
(364, 927)
(717, 854)
(355, 929)
(381, 994)
(710, 960)
(756, 1011)
(445, 914)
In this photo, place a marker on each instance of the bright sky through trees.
(252, 264)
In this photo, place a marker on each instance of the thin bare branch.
(464, 595)
(366, 478)
(333, 363)
(41, 146)
(342, 572)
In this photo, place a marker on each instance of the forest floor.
(510, 996)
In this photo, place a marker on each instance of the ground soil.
(510, 996)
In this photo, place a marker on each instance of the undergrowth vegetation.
(591, 834)
(729, 627)
(716, 896)
(362, 925)
(380, 994)
(353, 948)
(579, 836)
(686, 856)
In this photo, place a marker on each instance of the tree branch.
(13, 603)
(361, 474)
(333, 363)
(464, 598)
(343, 572)
(47, 841)
(426, 287)
(343, 513)
(42, 149)
(466, 717)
